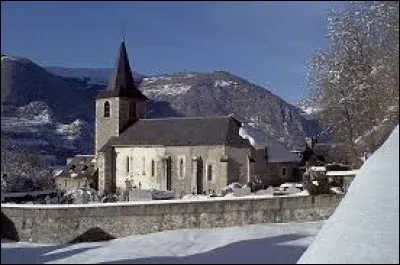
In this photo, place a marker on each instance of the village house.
(180, 154)
(80, 172)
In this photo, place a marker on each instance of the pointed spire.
(122, 83)
(123, 32)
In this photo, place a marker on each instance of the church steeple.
(121, 83)
(121, 104)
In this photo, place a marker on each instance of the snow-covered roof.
(318, 168)
(342, 173)
(276, 152)
(365, 226)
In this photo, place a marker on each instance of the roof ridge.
(186, 118)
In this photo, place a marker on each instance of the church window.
(209, 172)
(152, 168)
(284, 171)
(106, 109)
(65, 183)
(143, 166)
(127, 164)
(181, 167)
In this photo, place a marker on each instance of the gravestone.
(140, 195)
(240, 192)
(162, 195)
(269, 191)
(293, 190)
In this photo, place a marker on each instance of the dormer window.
(72, 168)
(106, 109)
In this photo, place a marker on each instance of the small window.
(153, 168)
(79, 184)
(209, 172)
(181, 168)
(72, 168)
(284, 171)
(106, 109)
(65, 183)
(127, 164)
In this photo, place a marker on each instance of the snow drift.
(365, 226)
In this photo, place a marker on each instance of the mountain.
(22, 82)
(221, 93)
(52, 109)
(41, 111)
(91, 75)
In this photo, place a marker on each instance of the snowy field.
(267, 243)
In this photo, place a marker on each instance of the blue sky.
(266, 43)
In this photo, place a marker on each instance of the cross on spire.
(121, 83)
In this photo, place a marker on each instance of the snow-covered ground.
(365, 226)
(268, 243)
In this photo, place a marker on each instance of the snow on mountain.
(365, 226)
(222, 83)
(310, 110)
(36, 111)
(71, 131)
(167, 90)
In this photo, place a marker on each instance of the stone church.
(184, 155)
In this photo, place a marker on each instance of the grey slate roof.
(121, 83)
(277, 153)
(194, 131)
(82, 165)
(187, 131)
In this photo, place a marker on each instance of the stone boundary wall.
(68, 223)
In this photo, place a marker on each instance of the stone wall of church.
(111, 126)
(276, 173)
(145, 167)
(106, 127)
(237, 168)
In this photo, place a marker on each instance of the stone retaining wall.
(65, 223)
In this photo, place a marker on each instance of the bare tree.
(355, 81)
(23, 170)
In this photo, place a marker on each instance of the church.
(180, 154)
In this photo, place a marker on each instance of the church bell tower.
(120, 105)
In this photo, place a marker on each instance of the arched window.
(127, 164)
(284, 171)
(181, 168)
(106, 109)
